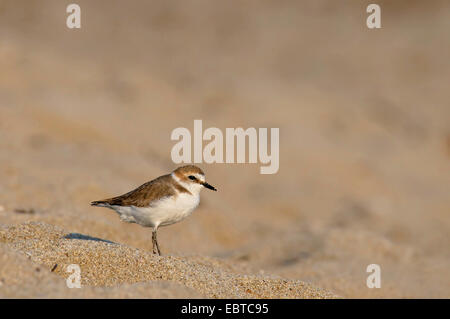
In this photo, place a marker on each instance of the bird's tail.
(99, 203)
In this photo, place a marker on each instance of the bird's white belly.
(162, 213)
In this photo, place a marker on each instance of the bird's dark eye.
(191, 177)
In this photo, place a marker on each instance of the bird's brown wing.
(144, 195)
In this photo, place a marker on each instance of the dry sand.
(106, 264)
(364, 122)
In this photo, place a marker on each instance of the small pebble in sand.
(29, 211)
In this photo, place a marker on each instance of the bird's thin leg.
(155, 243)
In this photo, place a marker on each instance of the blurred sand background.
(364, 118)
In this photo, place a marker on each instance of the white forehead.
(199, 176)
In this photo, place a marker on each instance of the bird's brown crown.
(188, 169)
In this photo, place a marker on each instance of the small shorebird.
(163, 201)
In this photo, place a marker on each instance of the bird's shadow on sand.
(86, 237)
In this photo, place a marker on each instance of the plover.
(163, 201)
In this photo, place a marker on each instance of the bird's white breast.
(164, 212)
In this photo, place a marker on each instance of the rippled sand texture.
(364, 122)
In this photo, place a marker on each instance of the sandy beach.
(107, 264)
(364, 172)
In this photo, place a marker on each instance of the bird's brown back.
(144, 195)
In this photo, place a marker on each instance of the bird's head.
(192, 177)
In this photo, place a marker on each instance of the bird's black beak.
(205, 184)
